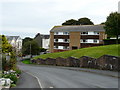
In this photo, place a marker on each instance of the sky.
(26, 18)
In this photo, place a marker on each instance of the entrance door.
(74, 47)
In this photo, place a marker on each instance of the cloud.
(20, 29)
(41, 15)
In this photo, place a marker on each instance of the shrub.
(111, 41)
(13, 85)
(18, 71)
(12, 77)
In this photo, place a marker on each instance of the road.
(53, 77)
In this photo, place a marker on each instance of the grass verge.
(94, 52)
(26, 61)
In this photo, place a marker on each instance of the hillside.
(94, 52)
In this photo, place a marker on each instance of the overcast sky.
(26, 18)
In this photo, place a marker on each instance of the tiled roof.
(10, 38)
(78, 28)
(43, 36)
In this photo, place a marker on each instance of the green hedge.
(111, 41)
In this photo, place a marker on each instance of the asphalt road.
(51, 77)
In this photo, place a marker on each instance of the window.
(56, 40)
(65, 33)
(96, 33)
(56, 33)
(84, 40)
(95, 41)
(56, 47)
(66, 40)
(65, 47)
(84, 33)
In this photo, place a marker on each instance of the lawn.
(27, 61)
(94, 52)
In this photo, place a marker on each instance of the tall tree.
(85, 21)
(103, 23)
(81, 21)
(112, 24)
(31, 47)
(26, 40)
(70, 22)
(6, 47)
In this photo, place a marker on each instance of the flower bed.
(9, 78)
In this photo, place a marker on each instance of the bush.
(18, 71)
(111, 41)
(11, 76)
(13, 85)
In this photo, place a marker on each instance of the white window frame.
(89, 41)
(90, 33)
(96, 33)
(65, 33)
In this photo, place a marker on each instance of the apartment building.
(63, 38)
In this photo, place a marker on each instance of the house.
(16, 42)
(63, 38)
(42, 40)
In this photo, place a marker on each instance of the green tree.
(85, 21)
(103, 23)
(43, 50)
(6, 47)
(81, 21)
(112, 24)
(30, 47)
(26, 40)
(70, 22)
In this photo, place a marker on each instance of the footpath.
(27, 81)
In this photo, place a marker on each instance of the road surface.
(53, 77)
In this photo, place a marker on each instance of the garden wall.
(105, 62)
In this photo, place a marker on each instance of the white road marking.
(37, 79)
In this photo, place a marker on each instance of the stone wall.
(60, 61)
(87, 62)
(105, 62)
(108, 62)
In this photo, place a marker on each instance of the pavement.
(69, 77)
(27, 81)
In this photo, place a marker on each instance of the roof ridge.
(79, 28)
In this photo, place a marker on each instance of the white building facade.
(16, 42)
